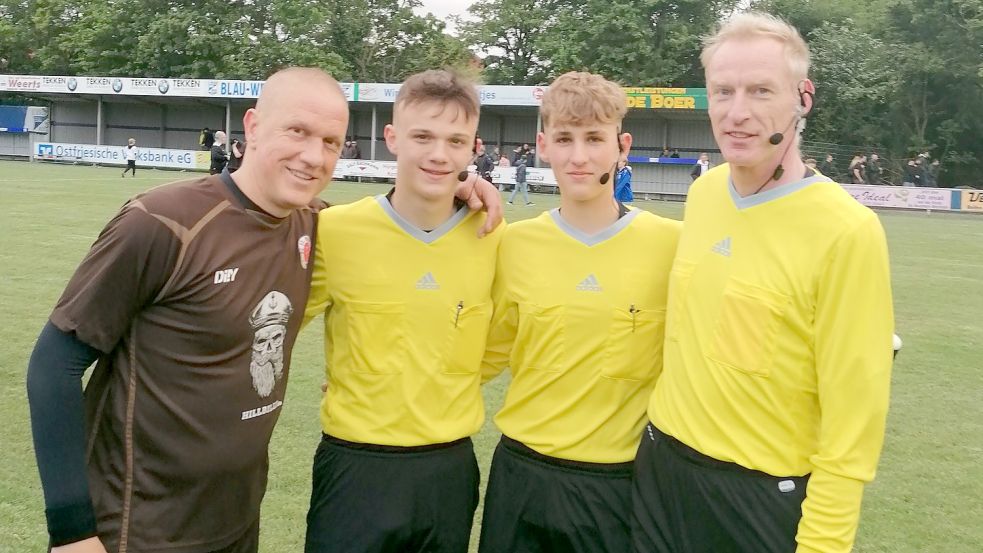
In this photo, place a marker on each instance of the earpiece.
(621, 149)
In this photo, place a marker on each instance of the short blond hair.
(441, 86)
(750, 25)
(577, 98)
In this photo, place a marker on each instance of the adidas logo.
(589, 284)
(722, 247)
(427, 282)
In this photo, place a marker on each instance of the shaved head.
(285, 84)
(293, 139)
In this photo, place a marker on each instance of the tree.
(637, 42)
(506, 33)
(855, 79)
(905, 74)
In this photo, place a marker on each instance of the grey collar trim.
(593, 239)
(773, 194)
(416, 232)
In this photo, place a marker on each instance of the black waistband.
(392, 448)
(521, 449)
(702, 460)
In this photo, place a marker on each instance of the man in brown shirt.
(190, 300)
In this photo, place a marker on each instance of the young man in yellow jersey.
(768, 418)
(580, 295)
(405, 285)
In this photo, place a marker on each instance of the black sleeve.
(54, 393)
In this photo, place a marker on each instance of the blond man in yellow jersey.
(580, 296)
(405, 285)
(769, 415)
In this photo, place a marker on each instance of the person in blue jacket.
(622, 183)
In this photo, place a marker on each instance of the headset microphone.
(778, 137)
(607, 176)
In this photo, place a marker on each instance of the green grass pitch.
(927, 496)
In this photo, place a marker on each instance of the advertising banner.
(638, 97)
(387, 170)
(903, 197)
(972, 200)
(667, 98)
(115, 155)
(22, 119)
(127, 86)
(365, 168)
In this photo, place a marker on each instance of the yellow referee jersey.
(579, 320)
(407, 316)
(778, 342)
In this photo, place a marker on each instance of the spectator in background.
(919, 172)
(857, 169)
(827, 168)
(522, 151)
(622, 182)
(931, 174)
(700, 167)
(206, 139)
(811, 163)
(485, 164)
(235, 156)
(130, 153)
(665, 153)
(675, 153)
(503, 161)
(356, 151)
(347, 151)
(219, 156)
(912, 174)
(520, 182)
(874, 171)
(531, 158)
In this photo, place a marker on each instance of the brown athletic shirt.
(196, 301)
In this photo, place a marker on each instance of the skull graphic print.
(269, 321)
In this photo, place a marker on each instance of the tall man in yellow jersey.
(580, 296)
(769, 415)
(406, 287)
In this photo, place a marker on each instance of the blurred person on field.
(219, 157)
(130, 153)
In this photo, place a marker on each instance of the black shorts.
(684, 501)
(382, 499)
(536, 503)
(131, 164)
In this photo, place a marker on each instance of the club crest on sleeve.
(304, 249)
